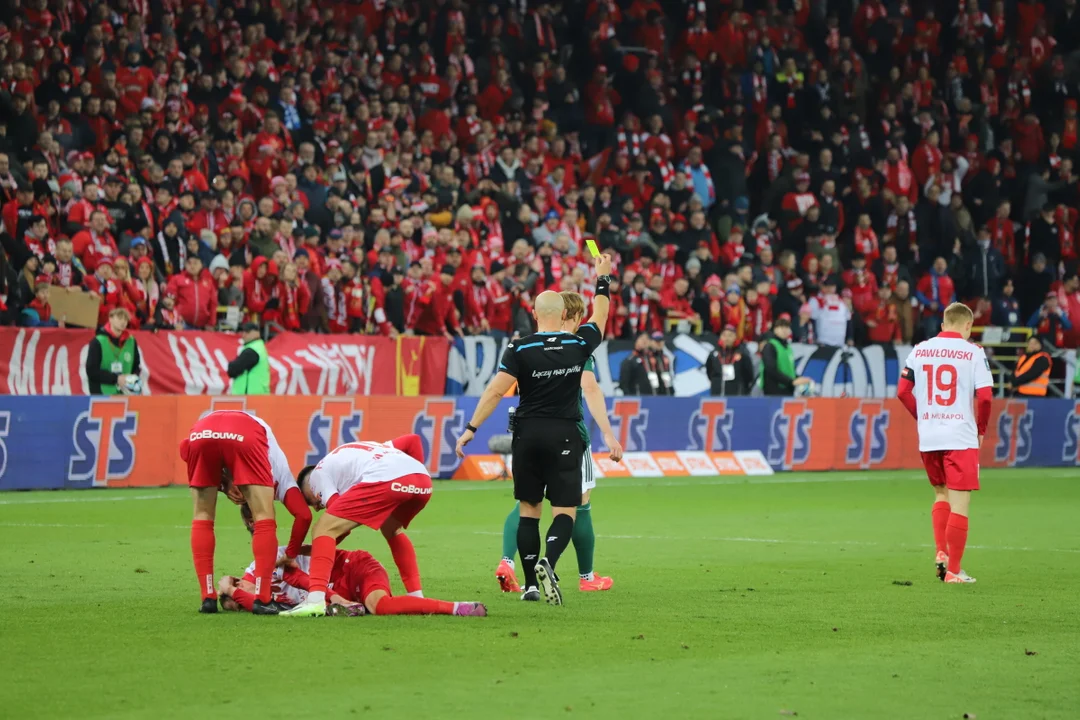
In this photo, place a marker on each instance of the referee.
(547, 448)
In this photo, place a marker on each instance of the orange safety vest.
(1039, 385)
(512, 391)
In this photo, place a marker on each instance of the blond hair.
(958, 315)
(574, 305)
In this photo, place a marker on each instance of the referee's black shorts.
(547, 456)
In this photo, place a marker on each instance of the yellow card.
(593, 249)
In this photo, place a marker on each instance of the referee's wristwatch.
(470, 428)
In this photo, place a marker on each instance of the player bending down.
(231, 449)
(359, 582)
(583, 537)
(381, 485)
(937, 386)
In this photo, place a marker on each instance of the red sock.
(244, 599)
(940, 516)
(202, 552)
(406, 605)
(264, 547)
(405, 559)
(957, 533)
(322, 562)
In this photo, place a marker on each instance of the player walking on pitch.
(947, 387)
(381, 485)
(583, 537)
(235, 450)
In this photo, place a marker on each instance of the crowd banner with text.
(870, 372)
(84, 442)
(52, 362)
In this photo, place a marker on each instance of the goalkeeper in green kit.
(584, 538)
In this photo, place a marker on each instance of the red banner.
(52, 362)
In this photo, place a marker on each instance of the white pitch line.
(625, 482)
(778, 541)
(83, 499)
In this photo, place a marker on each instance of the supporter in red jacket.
(196, 295)
(96, 240)
(862, 283)
(500, 318)
(259, 284)
(882, 320)
(439, 316)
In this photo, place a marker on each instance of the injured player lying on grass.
(359, 585)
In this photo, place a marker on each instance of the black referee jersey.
(548, 367)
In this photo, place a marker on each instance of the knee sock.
(584, 541)
(405, 559)
(202, 553)
(957, 533)
(264, 547)
(406, 605)
(509, 549)
(528, 542)
(940, 516)
(322, 564)
(558, 537)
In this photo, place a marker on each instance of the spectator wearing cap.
(778, 376)
(101, 283)
(545, 233)
(832, 317)
(250, 370)
(112, 357)
(196, 295)
(729, 367)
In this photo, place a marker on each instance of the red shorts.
(357, 574)
(372, 503)
(955, 469)
(231, 441)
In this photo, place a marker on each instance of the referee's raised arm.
(546, 305)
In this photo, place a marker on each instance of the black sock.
(558, 537)
(528, 542)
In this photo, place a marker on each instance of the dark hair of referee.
(548, 449)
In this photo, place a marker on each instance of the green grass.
(731, 600)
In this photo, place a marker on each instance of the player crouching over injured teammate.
(380, 485)
(936, 387)
(359, 586)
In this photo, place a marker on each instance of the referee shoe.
(549, 582)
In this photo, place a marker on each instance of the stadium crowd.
(428, 166)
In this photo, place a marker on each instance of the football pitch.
(807, 594)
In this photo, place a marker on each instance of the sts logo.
(337, 423)
(1071, 451)
(438, 425)
(868, 434)
(1014, 433)
(789, 435)
(103, 444)
(629, 421)
(710, 426)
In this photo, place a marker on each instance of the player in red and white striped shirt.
(947, 387)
